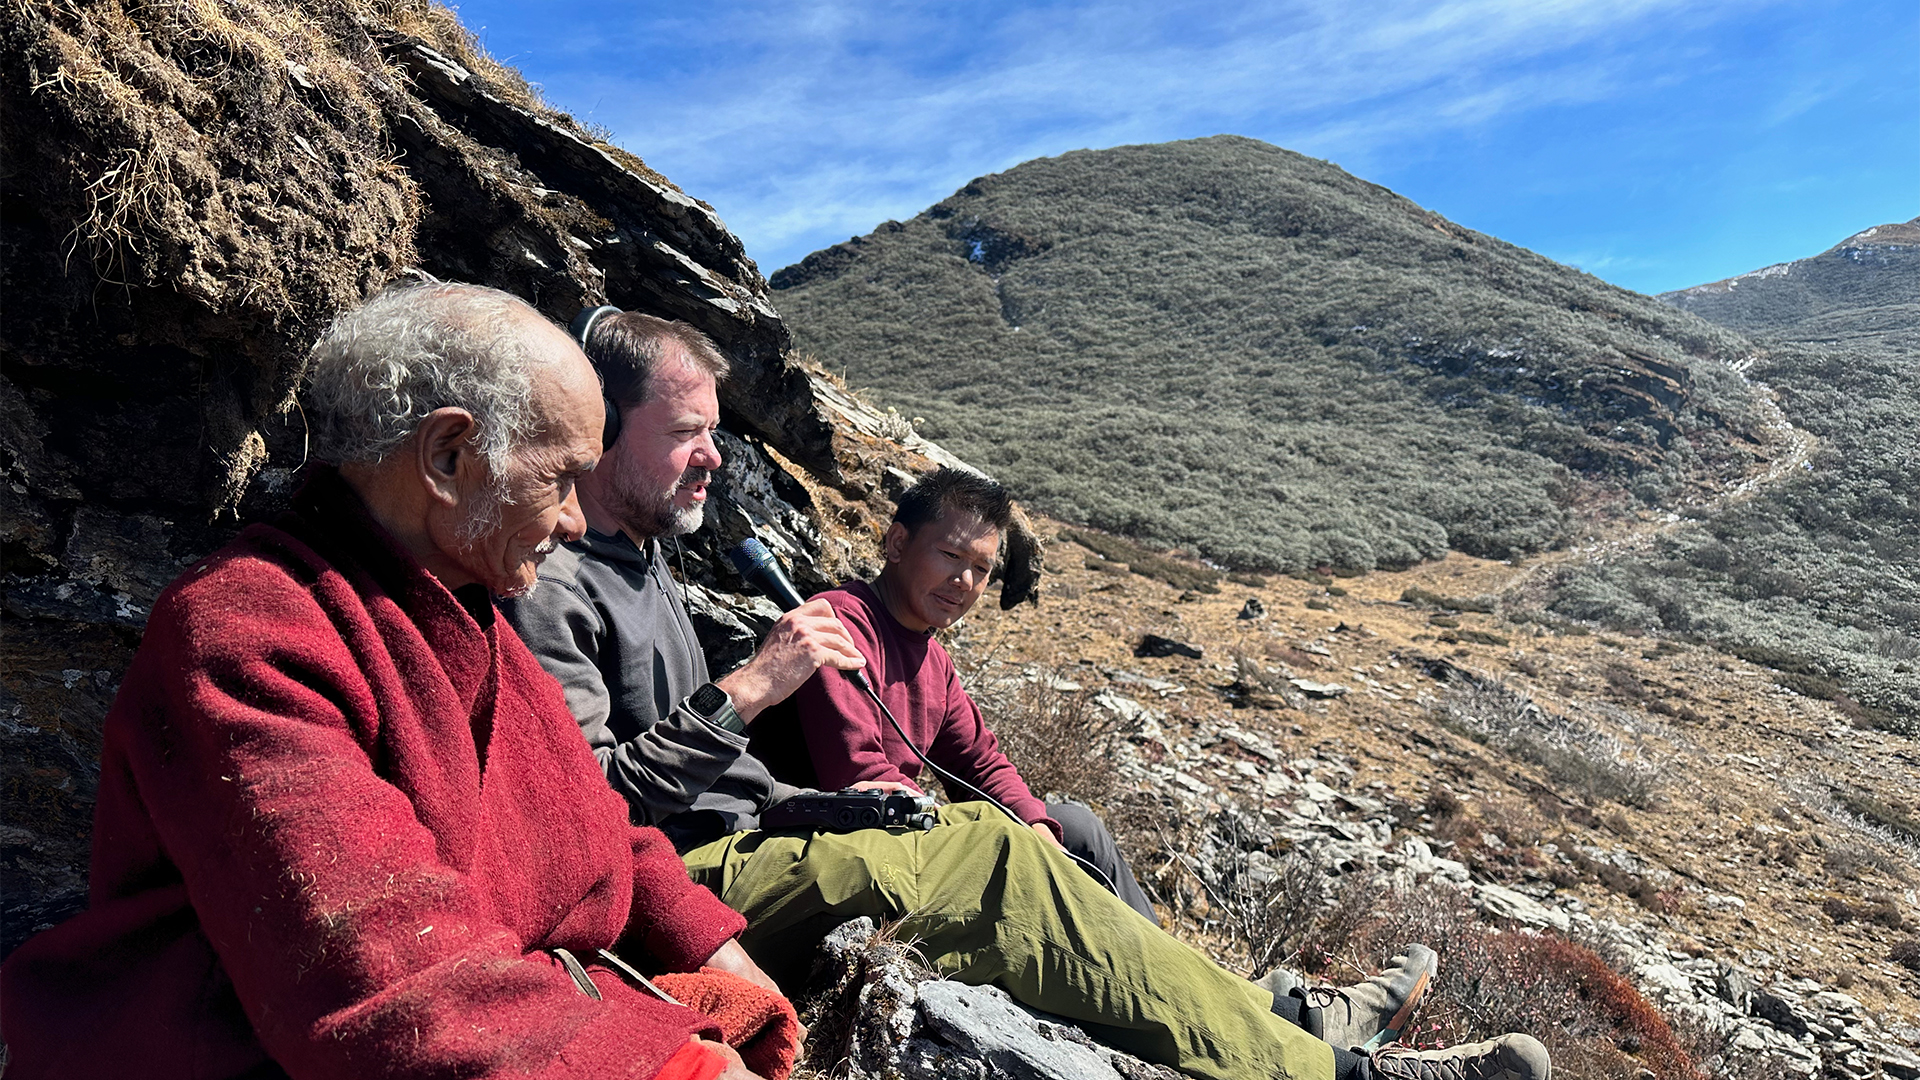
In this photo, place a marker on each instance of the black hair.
(950, 490)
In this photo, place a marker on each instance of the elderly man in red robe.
(346, 826)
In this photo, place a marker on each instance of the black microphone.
(762, 571)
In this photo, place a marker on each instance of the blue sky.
(1655, 143)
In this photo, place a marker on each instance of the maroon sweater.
(340, 809)
(849, 741)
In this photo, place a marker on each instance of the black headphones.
(581, 329)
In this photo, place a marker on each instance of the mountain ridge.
(1864, 290)
(1293, 305)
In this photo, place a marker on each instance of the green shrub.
(1473, 637)
(1881, 812)
(1146, 563)
(1814, 686)
(1906, 954)
(1777, 659)
(1427, 598)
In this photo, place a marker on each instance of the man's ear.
(443, 446)
(894, 544)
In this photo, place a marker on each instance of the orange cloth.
(755, 1021)
(691, 1062)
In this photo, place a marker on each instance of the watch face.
(707, 700)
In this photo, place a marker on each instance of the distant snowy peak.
(1864, 290)
(1875, 245)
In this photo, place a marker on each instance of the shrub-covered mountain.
(1820, 575)
(1225, 345)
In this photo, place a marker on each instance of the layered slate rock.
(192, 192)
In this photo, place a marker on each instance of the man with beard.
(609, 625)
(346, 827)
(985, 898)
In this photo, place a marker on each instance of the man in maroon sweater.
(346, 826)
(940, 551)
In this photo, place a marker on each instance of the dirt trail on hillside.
(1766, 844)
(1795, 449)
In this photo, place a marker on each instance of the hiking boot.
(1509, 1057)
(1374, 1012)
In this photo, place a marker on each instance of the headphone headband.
(581, 329)
(582, 326)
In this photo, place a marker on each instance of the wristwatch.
(710, 703)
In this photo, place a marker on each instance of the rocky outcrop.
(189, 194)
(1267, 811)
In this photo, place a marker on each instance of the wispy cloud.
(808, 122)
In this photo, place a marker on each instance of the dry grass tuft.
(1259, 911)
(235, 151)
(1576, 753)
(1048, 726)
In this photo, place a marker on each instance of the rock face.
(191, 193)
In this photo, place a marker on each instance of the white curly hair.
(425, 344)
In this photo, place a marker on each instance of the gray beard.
(660, 516)
(679, 521)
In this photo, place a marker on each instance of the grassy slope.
(1228, 346)
(1822, 572)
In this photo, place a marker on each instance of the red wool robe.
(340, 810)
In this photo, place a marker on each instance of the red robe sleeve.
(674, 920)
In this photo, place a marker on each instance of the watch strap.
(712, 704)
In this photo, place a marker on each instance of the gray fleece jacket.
(607, 621)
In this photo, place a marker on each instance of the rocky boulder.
(191, 193)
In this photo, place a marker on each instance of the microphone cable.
(758, 567)
(860, 678)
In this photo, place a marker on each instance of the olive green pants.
(989, 901)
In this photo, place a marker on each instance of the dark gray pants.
(1086, 836)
